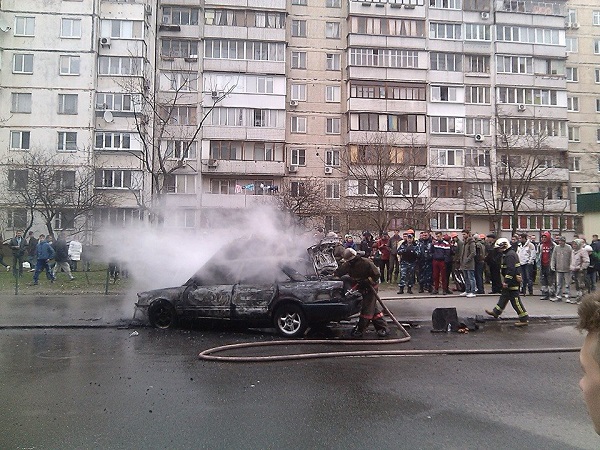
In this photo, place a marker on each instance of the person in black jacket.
(510, 284)
(492, 259)
(18, 246)
(62, 256)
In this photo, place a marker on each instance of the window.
(596, 18)
(181, 149)
(229, 150)
(447, 157)
(572, 103)
(518, 95)
(449, 62)
(447, 189)
(477, 94)
(405, 188)
(297, 189)
(333, 125)
(571, 16)
(298, 157)
(332, 158)
(597, 75)
(477, 157)
(572, 44)
(445, 31)
(67, 103)
(514, 64)
(70, 28)
(333, 61)
(179, 15)
(574, 164)
(112, 141)
(179, 48)
(20, 103)
(116, 216)
(332, 190)
(24, 26)
(64, 220)
(332, 30)
(179, 81)
(181, 184)
(19, 140)
(477, 125)
(64, 179)
(16, 218)
(597, 134)
(67, 141)
(333, 94)
(445, 4)
(178, 115)
(477, 63)
(572, 74)
(298, 92)
(333, 3)
(447, 125)
(597, 46)
(450, 221)
(248, 50)
(299, 2)
(17, 179)
(69, 65)
(298, 124)
(443, 93)
(119, 29)
(598, 105)
(298, 60)
(23, 63)
(119, 65)
(299, 28)
(573, 134)
(182, 218)
(376, 57)
(263, 151)
(366, 187)
(109, 101)
(477, 32)
(114, 179)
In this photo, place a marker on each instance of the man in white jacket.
(561, 265)
(526, 253)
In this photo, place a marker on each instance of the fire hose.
(209, 354)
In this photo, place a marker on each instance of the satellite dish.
(4, 26)
(108, 117)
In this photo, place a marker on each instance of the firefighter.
(365, 274)
(511, 280)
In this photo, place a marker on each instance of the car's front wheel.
(162, 314)
(290, 320)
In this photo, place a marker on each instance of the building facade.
(447, 114)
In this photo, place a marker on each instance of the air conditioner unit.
(328, 170)
(148, 10)
(212, 163)
(485, 15)
(105, 42)
(478, 138)
(214, 94)
(419, 200)
(293, 169)
(409, 6)
(293, 102)
(575, 25)
(521, 107)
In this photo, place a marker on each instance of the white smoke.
(157, 257)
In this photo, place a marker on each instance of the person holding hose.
(366, 275)
(511, 282)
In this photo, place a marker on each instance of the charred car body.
(258, 291)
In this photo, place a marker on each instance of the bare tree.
(519, 172)
(167, 122)
(55, 187)
(388, 180)
(302, 199)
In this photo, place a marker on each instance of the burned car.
(257, 290)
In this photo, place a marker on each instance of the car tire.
(290, 321)
(161, 314)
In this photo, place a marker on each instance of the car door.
(213, 301)
(251, 301)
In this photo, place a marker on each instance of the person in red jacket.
(383, 245)
(441, 251)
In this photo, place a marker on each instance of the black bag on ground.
(444, 319)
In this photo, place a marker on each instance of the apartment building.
(583, 102)
(191, 112)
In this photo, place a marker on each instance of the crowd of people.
(43, 254)
(440, 263)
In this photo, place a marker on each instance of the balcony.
(235, 201)
(235, 167)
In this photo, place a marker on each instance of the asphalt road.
(105, 388)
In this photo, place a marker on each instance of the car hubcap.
(290, 322)
(163, 317)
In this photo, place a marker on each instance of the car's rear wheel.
(162, 314)
(290, 320)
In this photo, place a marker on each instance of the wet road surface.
(104, 388)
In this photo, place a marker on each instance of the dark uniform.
(365, 274)
(510, 287)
